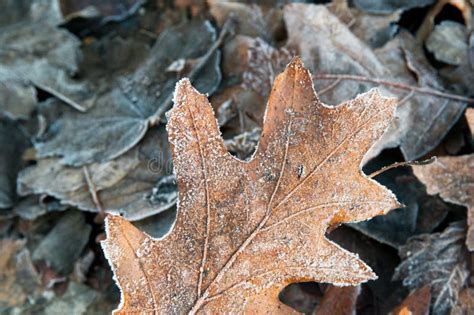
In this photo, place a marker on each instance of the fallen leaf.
(452, 178)
(17, 99)
(449, 43)
(379, 296)
(108, 8)
(35, 51)
(373, 29)
(76, 300)
(417, 303)
(126, 113)
(389, 6)
(250, 65)
(302, 297)
(422, 120)
(465, 304)
(328, 46)
(436, 260)
(435, 14)
(252, 20)
(11, 292)
(470, 121)
(239, 224)
(421, 213)
(13, 141)
(338, 301)
(61, 255)
(135, 184)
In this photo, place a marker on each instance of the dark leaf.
(13, 141)
(438, 261)
(125, 113)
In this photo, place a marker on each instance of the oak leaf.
(245, 230)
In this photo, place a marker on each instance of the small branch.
(329, 87)
(201, 62)
(95, 195)
(396, 85)
(400, 164)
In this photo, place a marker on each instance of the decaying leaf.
(465, 304)
(126, 112)
(339, 301)
(253, 64)
(382, 259)
(57, 253)
(470, 121)
(449, 43)
(422, 120)
(134, 184)
(436, 260)
(421, 212)
(452, 177)
(388, 6)
(417, 303)
(13, 141)
(252, 19)
(373, 29)
(37, 52)
(10, 293)
(328, 46)
(240, 224)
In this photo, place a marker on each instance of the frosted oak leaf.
(245, 230)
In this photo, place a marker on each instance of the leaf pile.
(84, 88)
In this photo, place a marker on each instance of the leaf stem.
(400, 164)
(201, 62)
(95, 195)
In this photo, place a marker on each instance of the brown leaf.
(245, 230)
(465, 305)
(470, 121)
(452, 177)
(417, 303)
(339, 301)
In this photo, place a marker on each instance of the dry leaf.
(252, 61)
(339, 301)
(35, 51)
(135, 184)
(132, 105)
(417, 303)
(452, 177)
(252, 20)
(465, 305)
(13, 141)
(448, 42)
(245, 230)
(436, 260)
(328, 46)
(470, 121)
(386, 7)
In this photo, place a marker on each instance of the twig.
(94, 194)
(396, 85)
(329, 87)
(201, 62)
(400, 164)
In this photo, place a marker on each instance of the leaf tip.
(296, 63)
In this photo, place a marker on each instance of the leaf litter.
(83, 91)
